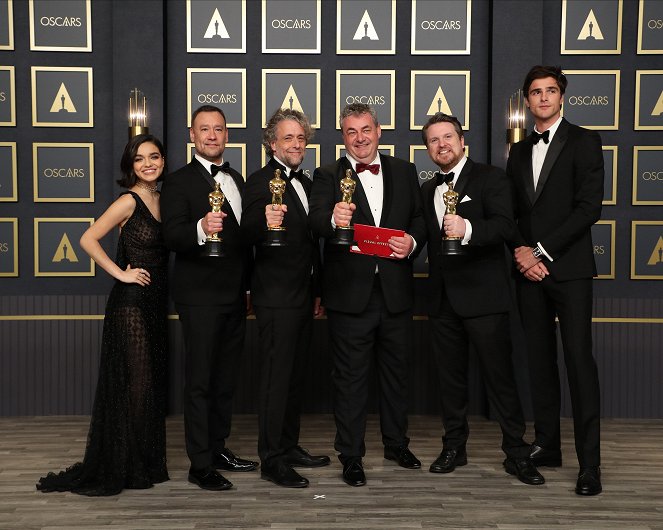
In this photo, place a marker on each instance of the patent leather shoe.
(226, 460)
(353, 472)
(209, 479)
(524, 470)
(449, 460)
(403, 456)
(541, 456)
(282, 474)
(300, 457)
(589, 481)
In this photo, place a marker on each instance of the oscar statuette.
(345, 234)
(451, 246)
(276, 233)
(213, 242)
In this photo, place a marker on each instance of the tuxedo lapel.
(556, 145)
(429, 199)
(197, 167)
(463, 178)
(527, 172)
(387, 188)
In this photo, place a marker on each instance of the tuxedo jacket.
(197, 279)
(282, 276)
(347, 278)
(477, 283)
(560, 212)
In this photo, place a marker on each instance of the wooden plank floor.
(479, 495)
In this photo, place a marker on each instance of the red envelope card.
(372, 240)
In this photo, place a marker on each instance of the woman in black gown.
(126, 444)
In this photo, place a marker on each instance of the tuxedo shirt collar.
(206, 163)
(553, 129)
(354, 163)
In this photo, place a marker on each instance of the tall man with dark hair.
(468, 296)
(368, 299)
(209, 295)
(284, 295)
(558, 176)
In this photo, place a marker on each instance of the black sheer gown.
(126, 444)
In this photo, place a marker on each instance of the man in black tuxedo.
(468, 296)
(283, 292)
(558, 176)
(209, 294)
(368, 299)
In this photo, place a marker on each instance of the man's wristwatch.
(537, 252)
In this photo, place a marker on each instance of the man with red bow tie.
(368, 299)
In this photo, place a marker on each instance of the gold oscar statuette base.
(344, 235)
(275, 237)
(452, 247)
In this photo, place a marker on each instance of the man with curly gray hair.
(284, 292)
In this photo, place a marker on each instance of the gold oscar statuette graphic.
(345, 234)
(213, 243)
(276, 233)
(451, 246)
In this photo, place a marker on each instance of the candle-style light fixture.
(517, 112)
(137, 113)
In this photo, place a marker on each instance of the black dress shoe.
(353, 472)
(282, 474)
(589, 481)
(403, 456)
(297, 456)
(541, 456)
(524, 470)
(449, 460)
(209, 479)
(226, 460)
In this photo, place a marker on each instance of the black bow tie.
(214, 169)
(299, 174)
(543, 136)
(441, 178)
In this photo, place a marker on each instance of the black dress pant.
(214, 339)
(571, 302)
(451, 337)
(357, 341)
(285, 337)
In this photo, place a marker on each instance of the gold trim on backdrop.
(382, 147)
(14, 221)
(612, 200)
(191, 49)
(574, 51)
(636, 152)
(339, 29)
(284, 71)
(28, 318)
(638, 76)
(10, 27)
(14, 196)
(392, 94)
(37, 221)
(44, 48)
(12, 97)
(317, 49)
(611, 274)
(616, 95)
(413, 34)
(641, 14)
(413, 86)
(191, 149)
(35, 171)
(35, 70)
(634, 225)
(189, 110)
